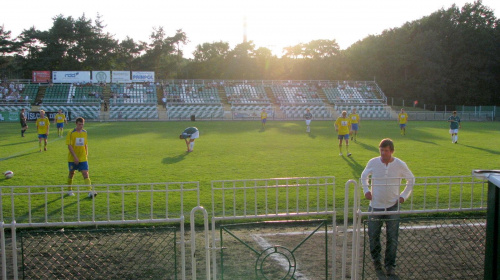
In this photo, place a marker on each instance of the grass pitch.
(146, 152)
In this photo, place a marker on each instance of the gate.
(254, 249)
(274, 255)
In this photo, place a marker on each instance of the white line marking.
(282, 261)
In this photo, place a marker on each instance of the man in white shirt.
(385, 173)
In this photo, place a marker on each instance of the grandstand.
(210, 99)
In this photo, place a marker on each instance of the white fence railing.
(235, 200)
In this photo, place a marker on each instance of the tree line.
(449, 57)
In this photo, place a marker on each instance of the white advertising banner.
(101, 77)
(143, 77)
(71, 76)
(121, 77)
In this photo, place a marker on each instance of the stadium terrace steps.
(298, 111)
(200, 111)
(133, 112)
(367, 111)
(242, 111)
(85, 111)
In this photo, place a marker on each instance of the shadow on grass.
(423, 141)
(174, 159)
(365, 146)
(19, 155)
(482, 149)
(37, 213)
(312, 135)
(356, 168)
(34, 210)
(18, 143)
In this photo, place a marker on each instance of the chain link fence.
(128, 253)
(434, 248)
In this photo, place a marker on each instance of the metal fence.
(117, 205)
(434, 248)
(425, 234)
(123, 253)
(286, 228)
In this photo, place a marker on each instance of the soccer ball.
(8, 174)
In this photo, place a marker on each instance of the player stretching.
(355, 123)
(454, 121)
(343, 126)
(403, 119)
(42, 126)
(78, 156)
(59, 121)
(192, 133)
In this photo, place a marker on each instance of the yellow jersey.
(403, 118)
(42, 125)
(60, 118)
(263, 115)
(354, 118)
(343, 124)
(78, 140)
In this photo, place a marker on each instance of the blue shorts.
(60, 125)
(80, 167)
(345, 136)
(402, 125)
(264, 120)
(354, 126)
(44, 136)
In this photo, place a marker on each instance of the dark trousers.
(392, 232)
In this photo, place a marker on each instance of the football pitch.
(149, 152)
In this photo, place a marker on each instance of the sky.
(273, 24)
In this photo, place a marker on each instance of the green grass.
(147, 152)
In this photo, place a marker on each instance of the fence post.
(346, 219)
(4, 257)
(492, 258)
(193, 242)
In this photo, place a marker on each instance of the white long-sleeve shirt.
(386, 182)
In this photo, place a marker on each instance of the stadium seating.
(183, 111)
(133, 112)
(246, 94)
(296, 95)
(57, 93)
(191, 94)
(31, 90)
(340, 94)
(133, 94)
(68, 93)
